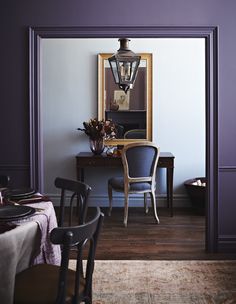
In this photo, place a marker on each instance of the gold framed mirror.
(131, 112)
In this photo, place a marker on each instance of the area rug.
(164, 282)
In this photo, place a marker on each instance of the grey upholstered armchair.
(139, 164)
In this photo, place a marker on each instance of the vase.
(114, 106)
(97, 145)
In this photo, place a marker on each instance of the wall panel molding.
(10, 167)
(227, 169)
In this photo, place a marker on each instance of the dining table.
(24, 242)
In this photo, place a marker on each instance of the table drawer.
(165, 163)
(90, 162)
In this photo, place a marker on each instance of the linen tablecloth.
(25, 245)
(17, 247)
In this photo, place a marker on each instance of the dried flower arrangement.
(97, 129)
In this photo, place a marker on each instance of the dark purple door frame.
(210, 33)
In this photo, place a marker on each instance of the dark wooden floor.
(181, 237)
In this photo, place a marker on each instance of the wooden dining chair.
(139, 164)
(51, 284)
(75, 191)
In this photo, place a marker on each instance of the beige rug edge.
(164, 281)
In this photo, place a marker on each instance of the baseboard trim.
(179, 200)
(8, 167)
(227, 244)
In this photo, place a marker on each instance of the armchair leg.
(126, 206)
(110, 199)
(153, 199)
(145, 203)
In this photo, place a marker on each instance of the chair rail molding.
(227, 168)
(209, 33)
(11, 167)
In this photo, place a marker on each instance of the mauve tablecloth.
(46, 219)
(25, 245)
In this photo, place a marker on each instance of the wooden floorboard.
(181, 237)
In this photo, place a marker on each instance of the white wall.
(69, 97)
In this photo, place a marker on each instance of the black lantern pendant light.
(124, 65)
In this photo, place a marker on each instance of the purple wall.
(17, 16)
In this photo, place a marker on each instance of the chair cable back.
(77, 190)
(78, 236)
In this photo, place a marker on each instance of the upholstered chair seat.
(117, 183)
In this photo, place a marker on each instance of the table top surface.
(103, 155)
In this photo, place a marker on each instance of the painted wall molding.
(210, 33)
(10, 167)
(227, 169)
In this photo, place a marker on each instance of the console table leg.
(168, 187)
(80, 174)
(170, 174)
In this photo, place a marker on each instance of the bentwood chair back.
(51, 284)
(77, 192)
(139, 164)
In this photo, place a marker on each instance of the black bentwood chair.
(51, 284)
(139, 164)
(77, 191)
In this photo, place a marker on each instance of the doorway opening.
(210, 36)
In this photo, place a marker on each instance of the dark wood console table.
(88, 159)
